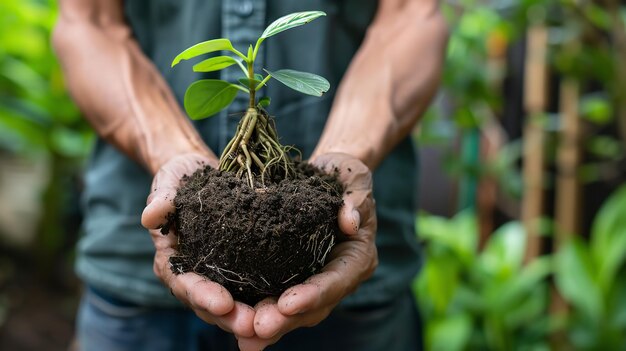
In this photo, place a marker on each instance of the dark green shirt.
(115, 254)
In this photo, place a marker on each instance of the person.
(383, 59)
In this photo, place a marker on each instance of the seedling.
(255, 149)
(270, 225)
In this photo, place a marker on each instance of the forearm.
(389, 83)
(118, 89)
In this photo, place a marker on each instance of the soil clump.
(255, 242)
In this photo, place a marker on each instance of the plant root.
(256, 152)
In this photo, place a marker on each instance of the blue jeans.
(108, 324)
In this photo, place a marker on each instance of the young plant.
(255, 149)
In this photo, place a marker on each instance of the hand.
(209, 300)
(350, 263)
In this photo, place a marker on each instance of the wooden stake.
(568, 192)
(535, 93)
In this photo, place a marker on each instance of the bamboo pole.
(535, 94)
(568, 192)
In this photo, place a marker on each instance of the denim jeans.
(107, 324)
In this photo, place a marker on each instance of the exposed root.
(320, 247)
(256, 151)
(238, 278)
(290, 278)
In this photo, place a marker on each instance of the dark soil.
(256, 242)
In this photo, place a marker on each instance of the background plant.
(38, 120)
(456, 290)
(489, 300)
(41, 131)
(592, 278)
(480, 300)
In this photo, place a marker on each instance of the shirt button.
(244, 8)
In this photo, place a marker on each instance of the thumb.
(165, 184)
(349, 217)
(159, 206)
(161, 201)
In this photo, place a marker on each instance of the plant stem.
(251, 78)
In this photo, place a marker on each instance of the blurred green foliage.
(488, 299)
(40, 123)
(36, 113)
(471, 98)
(481, 300)
(589, 45)
(584, 44)
(592, 278)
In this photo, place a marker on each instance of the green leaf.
(258, 77)
(616, 305)
(207, 97)
(70, 143)
(304, 82)
(598, 16)
(249, 82)
(250, 52)
(459, 235)
(450, 333)
(596, 109)
(214, 64)
(605, 147)
(528, 310)
(520, 286)
(504, 253)
(441, 279)
(576, 279)
(290, 21)
(264, 101)
(608, 238)
(204, 48)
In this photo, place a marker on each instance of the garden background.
(523, 180)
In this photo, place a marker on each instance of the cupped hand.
(209, 300)
(350, 262)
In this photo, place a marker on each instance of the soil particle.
(256, 243)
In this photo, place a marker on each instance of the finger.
(268, 320)
(155, 214)
(161, 200)
(353, 262)
(270, 324)
(305, 297)
(349, 216)
(209, 300)
(357, 196)
(358, 211)
(239, 321)
(201, 293)
(195, 291)
(255, 343)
